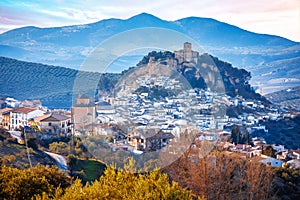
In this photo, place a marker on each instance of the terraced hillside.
(287, 98)
(51, 84)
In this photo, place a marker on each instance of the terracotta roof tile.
(4, 110)
(23, 110)
(38, 119)
(55, 117)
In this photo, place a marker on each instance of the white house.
(11, 102)
(207, 136)
(294, 164)
(20, 116)
(54, 123)
(271, 161)
(296, 154)
(278, 148)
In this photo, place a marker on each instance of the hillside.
(51, 84)
(235, 80)
(285, 131)
(14, 154)
(54, 86)
(217, 33)
(70, 45)
(288, 98)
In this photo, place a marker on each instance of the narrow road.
(17, 135)
(60, 160)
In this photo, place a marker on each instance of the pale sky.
(276, 17)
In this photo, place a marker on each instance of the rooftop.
(23, 110)
(52, 117)
(4, 110)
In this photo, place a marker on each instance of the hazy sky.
(277, 17)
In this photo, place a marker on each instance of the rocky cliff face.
(208, 72)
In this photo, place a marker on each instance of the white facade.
(18, 119)
(271, 161)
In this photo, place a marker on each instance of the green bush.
(25, 184)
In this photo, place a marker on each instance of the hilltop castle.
(187, 54)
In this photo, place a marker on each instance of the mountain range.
(70, 45)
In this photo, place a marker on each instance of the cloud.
(54, 13)
(5, 20)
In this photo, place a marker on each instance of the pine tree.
(236, 134)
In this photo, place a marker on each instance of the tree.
(236, 134)
(35, 127)
(287, 183)
(268, 151)
(32, 143)
(245, 139)
(109, 138)
(25, 184)
(222, 176)
(72, 160)
(124, 184)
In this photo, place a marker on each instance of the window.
(49, 124)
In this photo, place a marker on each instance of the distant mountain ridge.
(70, 45)
(209, 33)
(213, 32)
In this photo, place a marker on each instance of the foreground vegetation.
(25, 184)
(49, 183)
(217, 176)
(85, 170)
